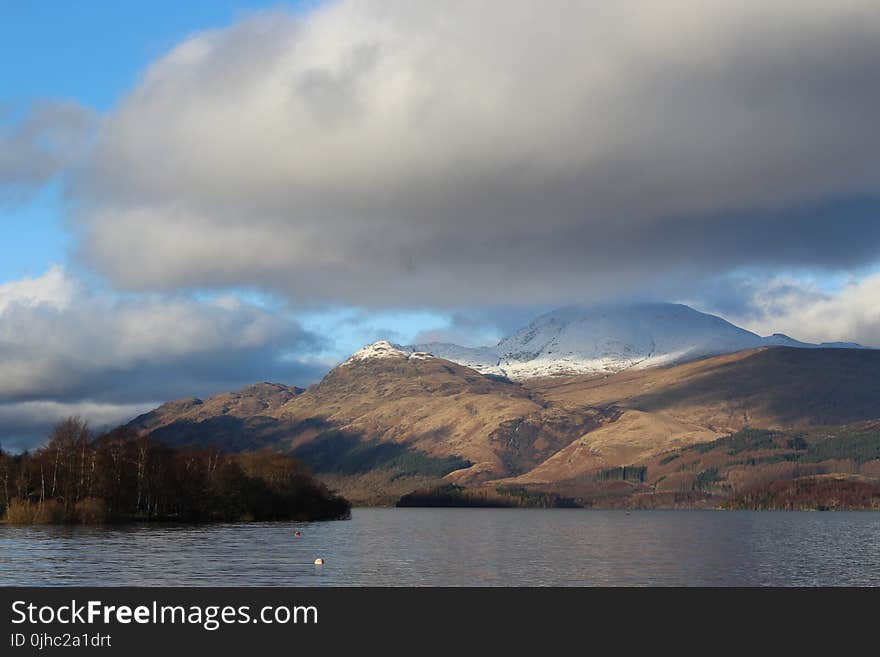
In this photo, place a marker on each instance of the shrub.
(707, 479)
(21, 512)
(26, 512)
(91, 511)
(49, 512)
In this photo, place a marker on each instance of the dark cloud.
(490, 160)
(25, 425)
(479, 327)
(393, 154)
(67, 350)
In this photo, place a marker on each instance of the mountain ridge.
(378, 428)
(594, 392)
(610, 338)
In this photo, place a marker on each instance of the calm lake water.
(469, 547)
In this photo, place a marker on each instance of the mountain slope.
(386, 417)
(255, 399)
(384, 395)
(770, 387)
(672, 407)
(236, 421)
(610, 338)
(389, 420)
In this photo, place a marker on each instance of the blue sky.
(296, 179)
(94, 52)
(33, 235)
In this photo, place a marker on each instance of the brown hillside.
(665, 408)
(769, 387)
(236, 421)
(405, 419)
(439, 408)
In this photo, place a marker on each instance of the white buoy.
(319, 561)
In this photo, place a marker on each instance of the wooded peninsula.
(122, 476)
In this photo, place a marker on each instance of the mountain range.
(571, 403)
(611, 338)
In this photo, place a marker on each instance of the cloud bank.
(804, 311)
(389, 153)
(64, 350)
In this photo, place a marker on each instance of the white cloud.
(64, 348)
(54, 333)
(394, 153)
(805, 311)
(53, 289)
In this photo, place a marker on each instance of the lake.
(461, 547)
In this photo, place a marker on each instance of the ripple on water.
(460, 547)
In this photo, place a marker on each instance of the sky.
(195, 196)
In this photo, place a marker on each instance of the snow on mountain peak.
(610, 338)
(385, 349)
(613, 337)
(380, 349)
(596, 339)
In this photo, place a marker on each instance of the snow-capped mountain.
(384, 349)
(616, 337)
(482, 359)
(609, 338)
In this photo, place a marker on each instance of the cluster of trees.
(810, 493)
(625, 473)
(451, 495)
(121, 475)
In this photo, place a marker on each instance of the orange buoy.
(319, 561)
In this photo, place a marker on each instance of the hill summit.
(610, 338)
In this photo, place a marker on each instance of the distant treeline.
(451, 495)
(122, 476)
(859, 443)
(822, 493)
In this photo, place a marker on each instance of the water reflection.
(461, 547)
